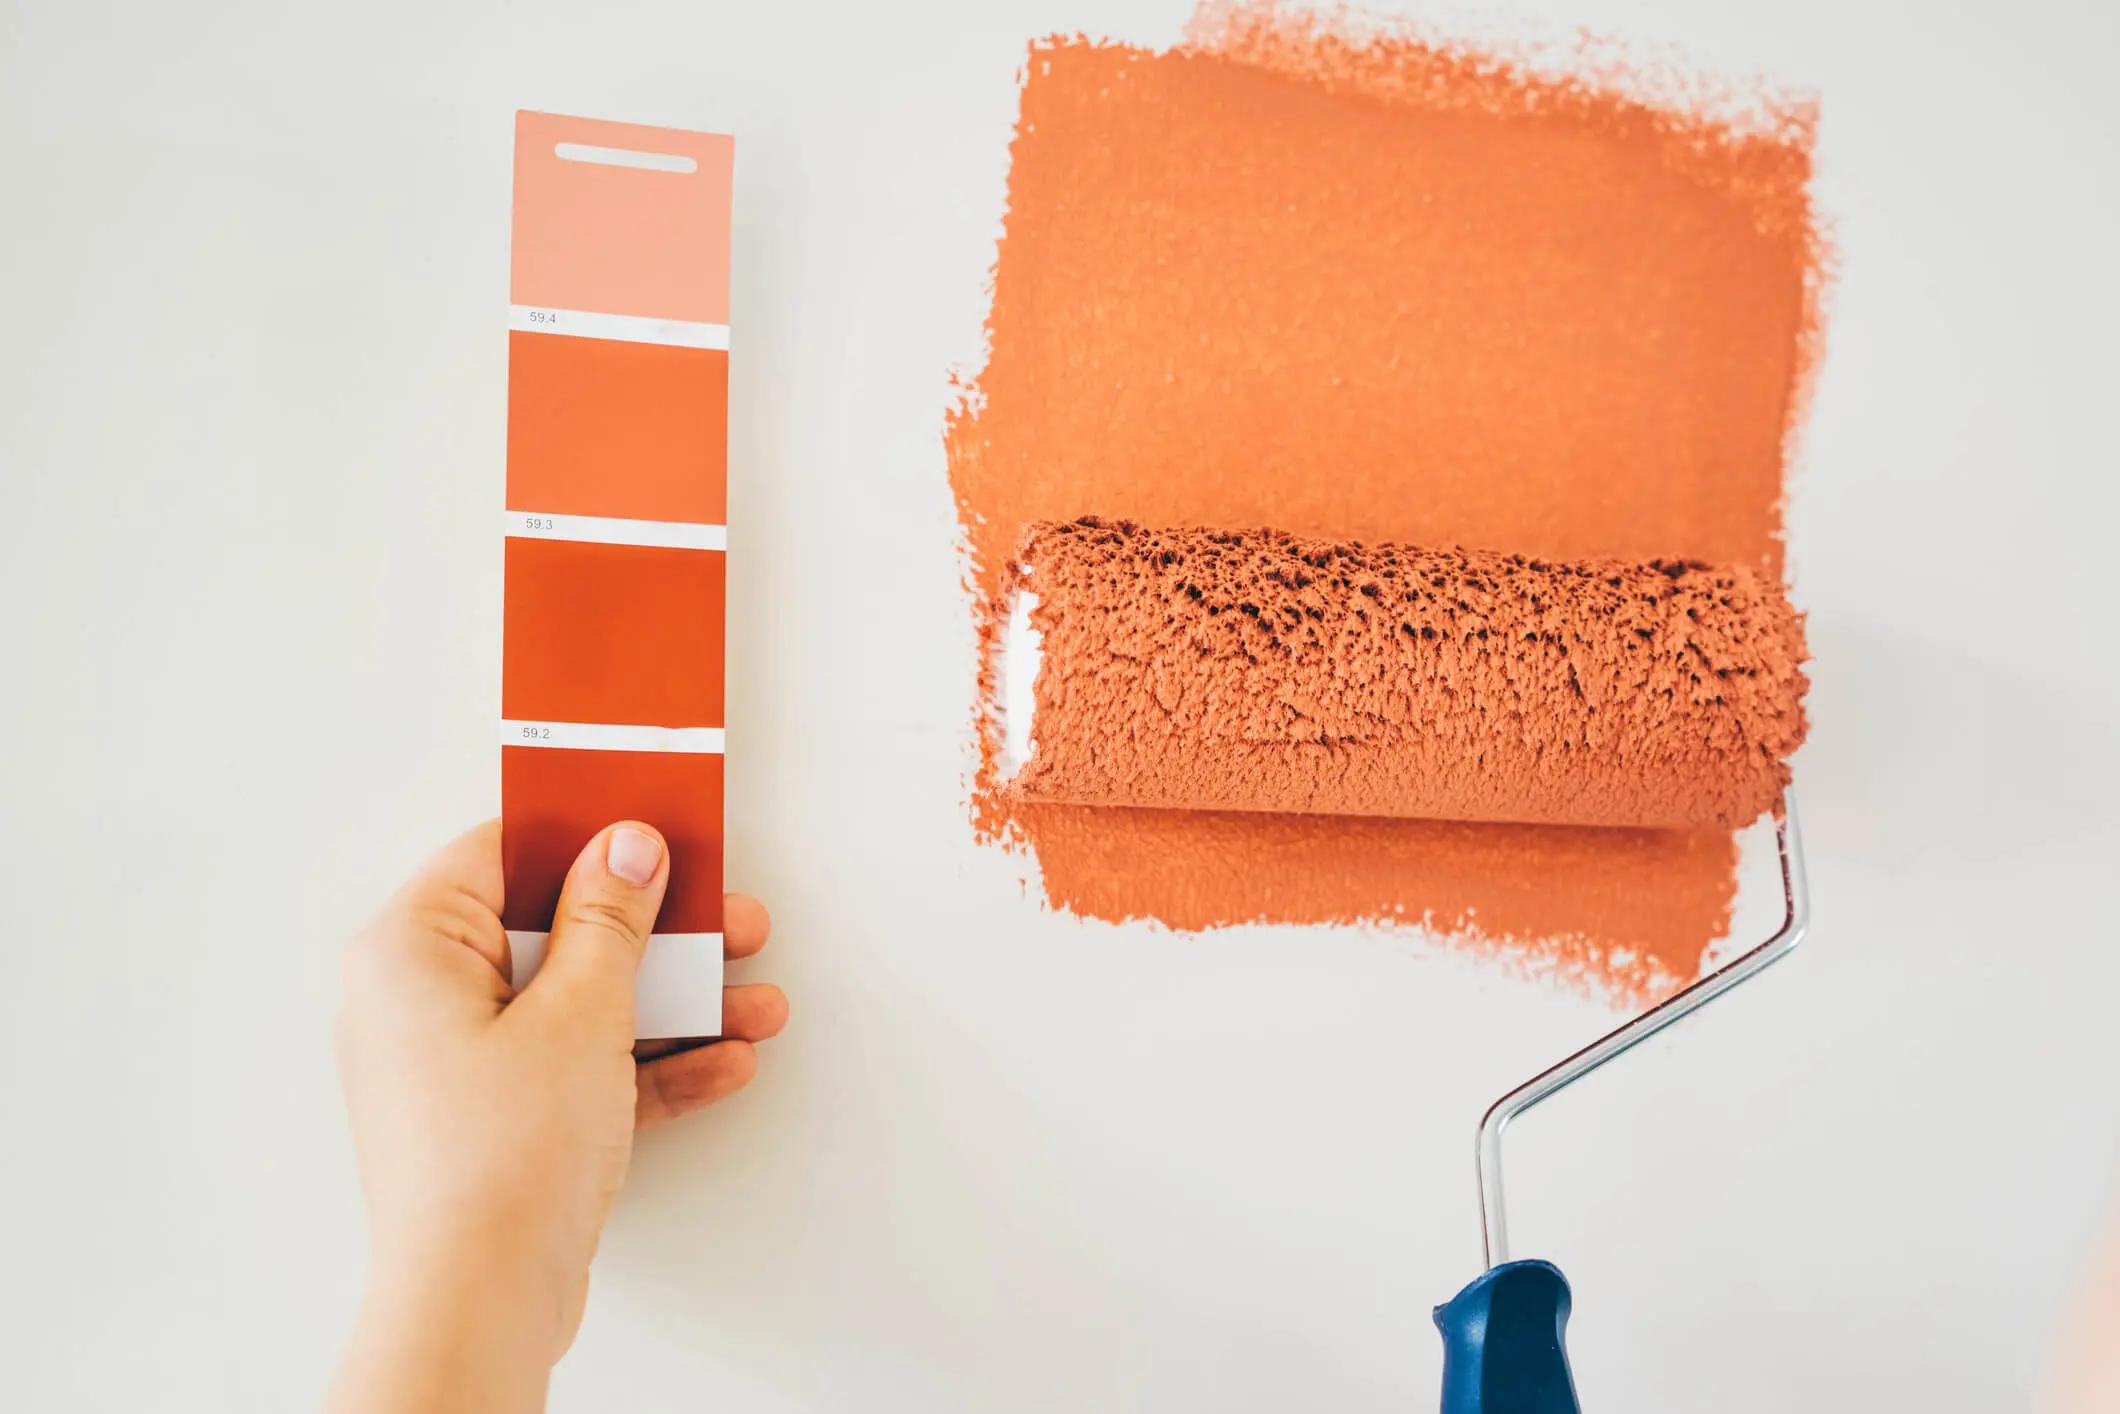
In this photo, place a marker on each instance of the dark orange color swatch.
(1381, 288)
(627, 634)
(599, 427)
(559, 799)
(621, 240)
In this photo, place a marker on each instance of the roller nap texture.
(1253, 670)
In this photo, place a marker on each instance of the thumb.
(606, 910)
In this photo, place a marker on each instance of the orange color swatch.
(588, 634)
(1383, 288)
(597, 427)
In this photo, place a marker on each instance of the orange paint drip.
(1383, 288)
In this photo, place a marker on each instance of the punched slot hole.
(626, 157)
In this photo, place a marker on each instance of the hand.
(493, 1130)
(2087, 1376)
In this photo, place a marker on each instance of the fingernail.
(633, 855)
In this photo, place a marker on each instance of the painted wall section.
(1380, 287)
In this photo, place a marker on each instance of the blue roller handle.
(1504, 1343)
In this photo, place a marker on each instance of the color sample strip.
(612, 678)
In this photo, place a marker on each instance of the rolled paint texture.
(1378, 287)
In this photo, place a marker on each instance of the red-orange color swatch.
(559, 799)
(1387, 290)
(599, 427)
(628, 634)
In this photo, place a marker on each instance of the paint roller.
(1211, 669)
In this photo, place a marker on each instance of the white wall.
(251, 411)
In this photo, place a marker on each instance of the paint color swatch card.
(612, 660)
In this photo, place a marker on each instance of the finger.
(679, 1084)
(454, 900)
(745, 925)
(470, 863)
(606, 910)
(753, 1012)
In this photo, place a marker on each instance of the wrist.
(451, 1326)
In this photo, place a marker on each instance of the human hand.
(2086, 1377)
(493, 1130)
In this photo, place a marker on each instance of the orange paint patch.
(1571, 897)
(1384, 289)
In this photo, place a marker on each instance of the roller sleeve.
(1254, 670)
